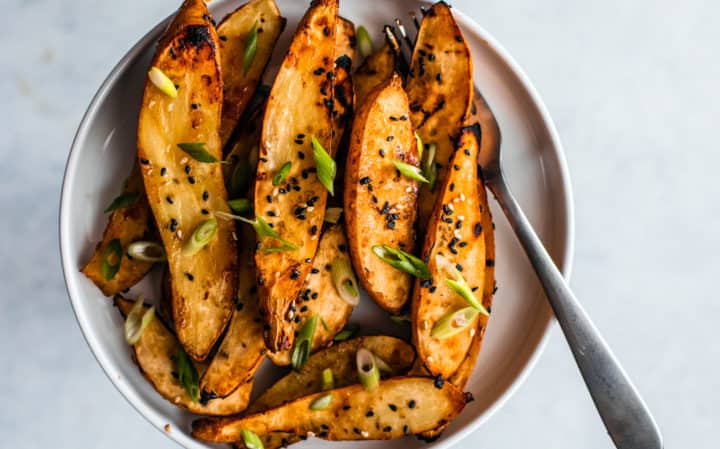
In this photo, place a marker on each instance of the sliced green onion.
(162, 82)
(263, 230)
(364, 42)
(457, 283)
(240, 178)
(382, 365)
(400, 319)
(240, 205)
(111, 259)
(328, 380)
(429, 168)
(402, 261)
(137, 320)
(410, 171)
(303, 343)
(187, 375)
(454, 322)
(197, 151)
(332, 214)
(322, 402)
(324, 324)
(347, 332)
(251, 440)
(146, 251)
(420, 146)
(250, 48)
(282, 173)
(344, 280)
(326, 168)
(200, 237)
(127, 199)
(368, 372)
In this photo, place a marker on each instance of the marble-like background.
(634, 88)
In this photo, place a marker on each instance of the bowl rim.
(157, 419)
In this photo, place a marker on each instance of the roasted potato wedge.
(400, 406)
(380, 202)
(374, 71)
(455, 231)
(319, 297)
(242, 349)
(182, 191)
(298, 109)
(154, 356)
(239, 81)
(127, 225)
(440, 89)
(340, 358)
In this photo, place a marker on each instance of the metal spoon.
(625, 415)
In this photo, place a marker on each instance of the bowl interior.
(104, 150)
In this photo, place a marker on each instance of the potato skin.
(299, 107)
(154, 354)
(440, 87)
(203, 286)
(128, 225)
(375, 70)
(347, 416)
(455, 230)
(380, 202)
(233, 31)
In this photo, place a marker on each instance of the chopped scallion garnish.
(263, 230)
(347, 332)
(368, 372)
(126, 199)
(332, 214)
(187, 375)
(197, 151)
(322, 402)
(111, 259)
(328, 380)
(162, 82)
(303, 343)
(251, 440)
(282, 173)
(420, 146)
(457, 283)
(429, 168)
(344, 280)
(250, 48)
(200, 237)
(240, 205)
(326, 168)
(454, 322)
(402, 261)
(410, 171)
(137, 320)
(146, 251)
(364, 42)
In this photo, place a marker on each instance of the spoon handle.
(625, 415)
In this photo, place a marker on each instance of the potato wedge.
(440, 87)
(340, 358)
(154, 356)
(455, 231)
(239, 84)
(243, 348)
(319, 297)
(183, 191)
(380, 202)
(298, 109)
(127, 225)
(374, 71)
(400, 406)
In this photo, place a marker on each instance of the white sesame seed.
(234, 236)
(461, 217)
(310, 208)
(456, 200)
(462, 197)
(275, 191)
(171, 106)
(425, 324)
(364, 434)
(408, 189)
(184, 160)
(179, 233)
(400, 207)
(457, 235)
(472, 332)
(310, 434)
(450, 206)
(430, 359)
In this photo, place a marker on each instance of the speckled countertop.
(634, 89)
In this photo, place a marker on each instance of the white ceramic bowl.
(104, 149)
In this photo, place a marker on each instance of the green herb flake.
(303, 343)
(111, 259)
(123, 201)
(402, 261)
(282, 173)
(326, 167)
(187, 375)
(250, 48)
(197, 151)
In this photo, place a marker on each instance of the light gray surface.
(634, 91)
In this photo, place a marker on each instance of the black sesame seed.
(456, 167)
(296, 188)
(204, 211)
(355, 429)
(459, 267)
(163, 171)
(374, 199)
(463, 244)
(205, 195)
(303, 309)
(294, 274)
(188, 169)
(173, 224)
(489, 263)
(314, 271)
(271, 213)
(439, 382)
(326, 31)
(301, 155)
(406, 429)
(446, 209)
(381, 153)
(438, 78)
(392, 407)
(411, 403)
(391, 225)
(390, 138)
(452, 186)
(189, 276)
(467, 152)
(239, 306)
(314, 295)
(169, 199)
(318, 71)
(282, 191)
(425, 283)
(365, 180)
(313, 230)
(458, 224)
(191, 179)
(459, 38)
(299, 141)
(301, 217)
(403, 118)
(268, 199)
(453, 250)
(432, 289)
(144, 161)
(387, 429)
(477, 229)
(369, 414)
